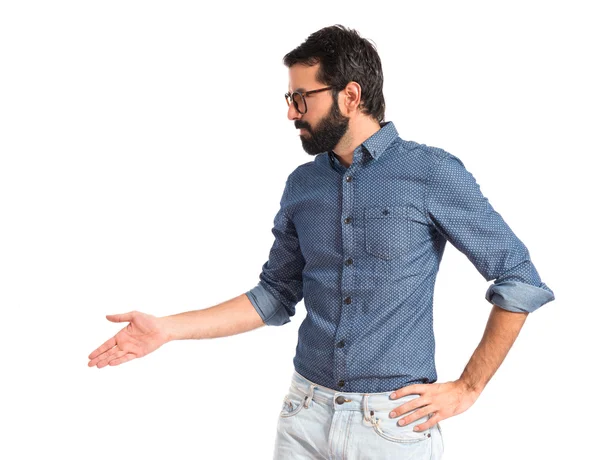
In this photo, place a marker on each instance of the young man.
(360, 235)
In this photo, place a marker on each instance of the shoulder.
(426, 153)
(305, 169)
(434, 162)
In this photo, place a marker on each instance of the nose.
(293, 114)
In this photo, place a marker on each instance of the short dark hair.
(344, 57)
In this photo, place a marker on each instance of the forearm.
(501, 331)
(231, 317)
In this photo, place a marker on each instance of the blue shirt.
(362, 245)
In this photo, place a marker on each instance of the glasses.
(298, 98)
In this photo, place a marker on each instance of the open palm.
(141, 336)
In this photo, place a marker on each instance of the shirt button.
(347, 220)
(341, 343)
(348, 178)
(385, 212)
(348, 261)
(347, 300)
(341, 383)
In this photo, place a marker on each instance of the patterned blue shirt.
(362, 245)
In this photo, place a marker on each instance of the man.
(359, 235)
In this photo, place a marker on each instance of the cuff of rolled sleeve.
(518, 297)
(271, 310)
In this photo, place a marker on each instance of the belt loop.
(309, 397)
(366, 408)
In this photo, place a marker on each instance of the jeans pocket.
(293, 403)
(388, 428)
(386, 231)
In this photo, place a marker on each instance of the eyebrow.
(298, 89)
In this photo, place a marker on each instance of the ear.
(350, 98)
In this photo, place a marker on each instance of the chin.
(309, 150)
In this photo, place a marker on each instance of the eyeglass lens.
(299, 102)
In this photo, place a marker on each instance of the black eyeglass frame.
(290, 97)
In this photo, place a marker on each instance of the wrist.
(167, 328)
(469, 387)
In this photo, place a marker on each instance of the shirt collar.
(374, 145)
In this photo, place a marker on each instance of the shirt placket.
(348, 296)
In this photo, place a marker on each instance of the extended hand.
(444, 400)
(141, 336)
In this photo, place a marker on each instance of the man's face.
(323, 124)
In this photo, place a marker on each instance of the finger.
(102, 348)
(417, 414)
(409, 390)
(429, 423)
(104, 358)
(123, 359)
(409, 405)
(119, 318)
(112, 356)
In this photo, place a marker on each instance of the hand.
(444, 400)
(141, 336)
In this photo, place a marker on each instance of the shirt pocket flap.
(384, 212)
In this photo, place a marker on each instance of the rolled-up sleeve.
(458, 210)
(280, 282)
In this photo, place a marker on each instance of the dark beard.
(326, 134)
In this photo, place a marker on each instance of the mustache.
(299, 125)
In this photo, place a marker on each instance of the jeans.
(317, 422)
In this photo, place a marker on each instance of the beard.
(326, 134)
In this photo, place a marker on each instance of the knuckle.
(400, 411)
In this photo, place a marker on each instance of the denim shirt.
(362, 245)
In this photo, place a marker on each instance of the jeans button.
(340, 399)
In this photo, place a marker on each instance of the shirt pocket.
(386, 231)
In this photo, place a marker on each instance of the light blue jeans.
(319, 423)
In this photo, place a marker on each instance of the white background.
(144, 148)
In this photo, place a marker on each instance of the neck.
(359, 130)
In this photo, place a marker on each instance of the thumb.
(120, 317)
